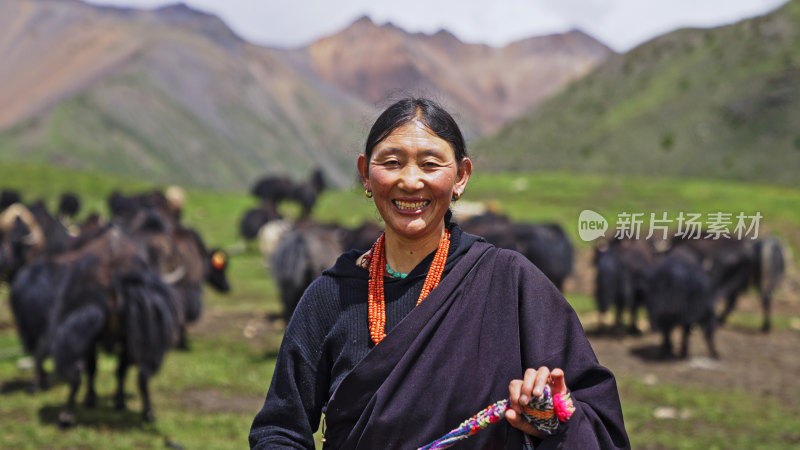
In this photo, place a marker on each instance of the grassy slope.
(206, 398)
(721, 102)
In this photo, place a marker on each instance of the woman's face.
(413, 174)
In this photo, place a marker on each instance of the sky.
(620, 24)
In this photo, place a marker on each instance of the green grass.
(709, 418)
(206, 398)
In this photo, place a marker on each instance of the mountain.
(487, 85)
(172, 95)
(720, 102)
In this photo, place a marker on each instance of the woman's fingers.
(517, 421)
(528, 381)
(557, 383)
(514, 391)
(542, 377)
(532, 385)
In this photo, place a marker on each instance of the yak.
(297, 254)
(682, 295)
(545, 245)
(735, 265)
(299, 257)
(622, 277)
(254, 219)
(272, 190)
(106, 293)
(68, 205)
(193, 266)
(8, 197)
(28, 232)
(304, 251)
(767, 269)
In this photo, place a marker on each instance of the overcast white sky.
(620, 24)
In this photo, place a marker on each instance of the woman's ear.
(363, 169)
(462, 177)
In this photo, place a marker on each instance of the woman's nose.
(411, 177)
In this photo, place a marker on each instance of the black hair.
(430, 113)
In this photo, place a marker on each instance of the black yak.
(305, 194)
(681, 295)
(31, 296)
(254, 219)
(125, 209)
(545, 245)
(734, 265)
(548, 247)
(109, 295)
(68, 205)
(299, 257)
(272, 189)
(623, 271)
(8, 197)
(192, 265)
(38, 286)
(764, 261)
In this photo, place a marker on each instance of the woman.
(399, 345)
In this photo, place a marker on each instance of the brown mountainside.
(169, 94)
(173, 95)
(487, 85)
(50, 51)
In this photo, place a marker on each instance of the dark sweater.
(326, 337)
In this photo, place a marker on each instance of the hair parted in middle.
(430, 113)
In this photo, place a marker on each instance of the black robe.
(490, 318)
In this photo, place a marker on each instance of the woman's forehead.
(415, 134)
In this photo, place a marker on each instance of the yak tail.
(290, 259)
(291, 264)
(151, 318)
(771, 265)
(193, 301)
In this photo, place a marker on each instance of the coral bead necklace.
(377, 264)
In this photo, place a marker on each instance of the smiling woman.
(413, 174)
(398, 345)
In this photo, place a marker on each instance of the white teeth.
(410, 205)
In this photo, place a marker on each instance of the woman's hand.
(520, 393)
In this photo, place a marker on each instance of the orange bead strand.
(376, 300)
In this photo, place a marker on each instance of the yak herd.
(129, 284)
(681, 282)
(678, 282)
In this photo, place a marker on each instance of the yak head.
(217, 265)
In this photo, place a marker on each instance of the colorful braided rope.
(489, 415)
(543, 412)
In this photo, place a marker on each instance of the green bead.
(395, 274)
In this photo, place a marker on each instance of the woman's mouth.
(410, 206)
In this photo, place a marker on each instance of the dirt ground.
(766, 363)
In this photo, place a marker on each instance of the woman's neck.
(403, 254)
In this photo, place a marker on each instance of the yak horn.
(34, 238)
(174, 276)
